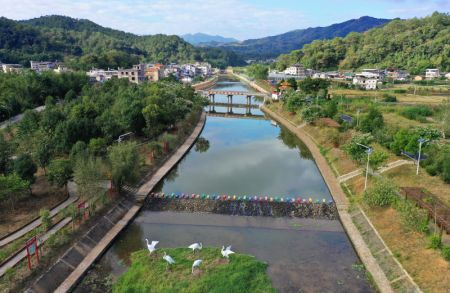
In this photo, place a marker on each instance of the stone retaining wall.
(326, 211)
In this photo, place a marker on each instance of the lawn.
(243, 273)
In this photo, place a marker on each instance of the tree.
(97, 146)
(79, 149)
(202, 145)
(155, 149)
(5, 156)
(312, 86)
(311, 113)
(59, 172)
(377, 158)
(43, 150)
(293, 83)
(88, 174)
(355, 151)
(25, 167)
(372, 121)
(12, 188)
(124, 160)
(293, 101)
(258, 71)
(443, 117)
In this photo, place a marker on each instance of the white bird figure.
(196, 246)
(168, 259)
(196, 263)
(151, 247)
(226, 252)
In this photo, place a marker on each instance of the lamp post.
(421, 141)
(369, 152)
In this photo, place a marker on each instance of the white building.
(396, 74)
(296, 69)
(432, 73)
(40, 66)
(364, 82)
(12, 68)
(100, 75)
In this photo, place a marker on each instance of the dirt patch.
(44, 196)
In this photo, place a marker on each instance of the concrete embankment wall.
(326, 211)
(249, 82)
(206, 84)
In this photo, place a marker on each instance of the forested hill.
(83, 44)
(270, 47)
(413, 44)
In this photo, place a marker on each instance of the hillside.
(83, 44)
(270, 47)
(203, 39)
(414, 45)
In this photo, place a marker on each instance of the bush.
(382, 193)
(446, 252)
(400, 91)
(311, 113)
(45, 219)
(412, 217)
(372, 121)
(418, 113)
(435, 242)
(389, 98)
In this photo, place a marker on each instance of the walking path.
(36, 223)
(388, 167)
(342, 204)
(141, 194)
(23, 253)
(18, 117)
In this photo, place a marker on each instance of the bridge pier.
(212, 98)
(230, 99)
(249, 100)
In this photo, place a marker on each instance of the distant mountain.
(204, 39)
(270, 47)
(83, 44)
(412, 44)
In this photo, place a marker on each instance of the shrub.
(435, 242)
(389, 98)
(400, 91)
(356, 152)
(446, 252)
(418, 113)
(382, 193)
(372, 121)
(432, 169)
(412, 217)
(311, 113)
(45, 219)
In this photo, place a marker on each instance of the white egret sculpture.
(226, 252)
(196, 246)
(196, 264)
(168, 259)
(151, 247)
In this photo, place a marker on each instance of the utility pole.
(421, 141)
(369, 151)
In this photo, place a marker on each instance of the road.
(17, 118)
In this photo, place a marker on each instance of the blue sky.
(241, 19)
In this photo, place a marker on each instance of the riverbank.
(206, 84)
(66, 272)
(342, 203)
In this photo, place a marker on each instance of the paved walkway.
(23, 253)
(388, 167)
(36, 223)
(18, 117)
(342, 203)
(141, 194)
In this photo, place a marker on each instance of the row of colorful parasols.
(225, 197)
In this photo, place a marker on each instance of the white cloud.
(226, 17)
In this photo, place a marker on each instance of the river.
(248, 157)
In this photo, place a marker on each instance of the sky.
(241, 19)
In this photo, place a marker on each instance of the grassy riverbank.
(149, 273)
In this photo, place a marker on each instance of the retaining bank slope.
(341, 201)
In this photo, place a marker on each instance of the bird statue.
(168, 259)
(226, 252)
(196, 246)
(151, 247)
(196, 263)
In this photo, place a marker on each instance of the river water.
(249, 157)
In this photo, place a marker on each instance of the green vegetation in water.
(150, 274)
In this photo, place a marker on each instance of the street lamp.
(421, 141)
(369, 151)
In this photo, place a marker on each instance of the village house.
(100, 75)
(154, 73)
(296, 69)
(432, 74)
(135, 74)
(367, 83)
(12, 68)
(41, 66)
(396, 74)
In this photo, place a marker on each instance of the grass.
(149, 273)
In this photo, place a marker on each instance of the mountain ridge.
(202, 39)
